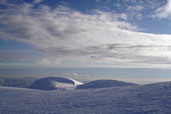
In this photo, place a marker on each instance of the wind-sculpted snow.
(103, 84)
(138, 99)
(51, 83)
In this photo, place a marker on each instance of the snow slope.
(51, 83)
(103, 84)
(138, 99)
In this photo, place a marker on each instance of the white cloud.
(135, 8)
(72, 38)
(48, 62)
(164, 11)
(37, 1)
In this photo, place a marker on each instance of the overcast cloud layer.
(70, 38)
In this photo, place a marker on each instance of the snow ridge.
(103, 84)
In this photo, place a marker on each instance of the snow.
(76, 82)
(103, 84)
(136, 99)
(51, 83)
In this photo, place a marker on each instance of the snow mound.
(103, 84)
(51, 83)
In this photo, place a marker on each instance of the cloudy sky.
(85, 33)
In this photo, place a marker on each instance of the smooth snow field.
(136, 99)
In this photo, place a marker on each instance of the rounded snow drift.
(103, 84)
(52, 83)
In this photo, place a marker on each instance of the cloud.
(164, 11)
(137, 8)
(19, 55)
(37, 1)
(75, 75)
(68, 37)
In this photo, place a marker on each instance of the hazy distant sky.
(85, 33)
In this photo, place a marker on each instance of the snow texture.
(137, 99)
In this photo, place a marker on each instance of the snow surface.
(51, 83)
(103, 84)
(137, 99)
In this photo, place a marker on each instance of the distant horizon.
(135, 75)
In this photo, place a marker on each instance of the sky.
(85, 34)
